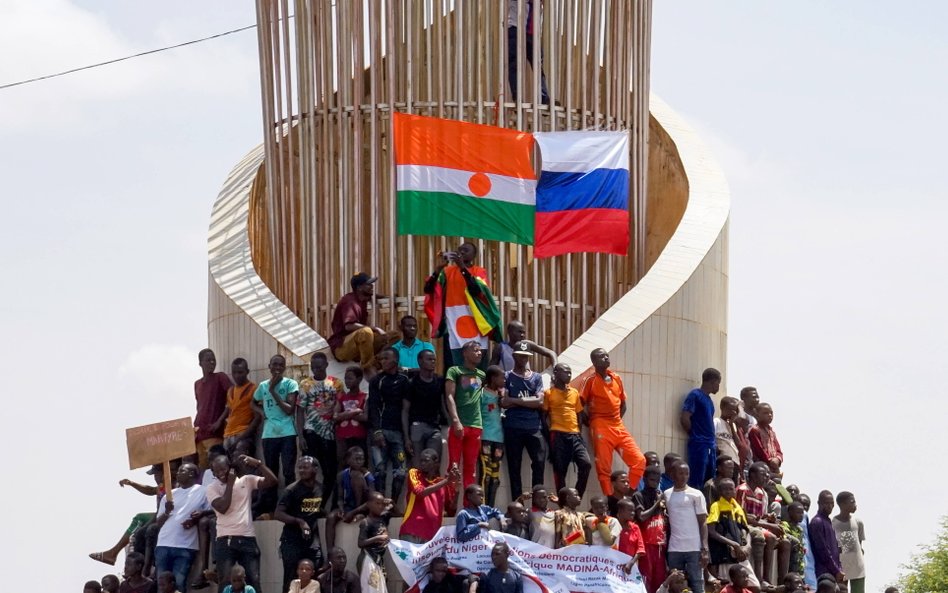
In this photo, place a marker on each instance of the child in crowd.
(792, 583)
(793, 529)
(747, 417)
(387, 392)
(304, 582)
(730, 439)
(729, 536)
(165, 582)
(238, 581)
(620, 489)
(669, 461)
(110, 583)
(738, 576)
(135, 581)
(441, 580)
(317, 404)
(426, 497)
(650, 516)
(492, 435)
(337, 579)
(601, 528)
(675, 583)
(519, 521)
(763, 440)
(349, 415)
(766, 533)
(724, 470)
(562, 406)
(630, 538)
(93, 587)
(240, 419)
(475, 515)
(423, 410)
(651, 459)
(542, 518)
(501, 579)
(373, 531)
(850, 534)
(570, 526)
(277, 396)
(353, 485)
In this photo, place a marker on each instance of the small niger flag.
(462, 179)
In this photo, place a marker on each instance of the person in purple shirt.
(697, 418)
(823, 538)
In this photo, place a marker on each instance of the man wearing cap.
(522, 425)
(352, 339)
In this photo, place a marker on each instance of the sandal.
(101, 557)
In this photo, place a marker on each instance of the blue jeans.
(393, 452)
(232, 549)
(690, 563)
(177, 561)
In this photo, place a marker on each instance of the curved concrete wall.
(660, 335)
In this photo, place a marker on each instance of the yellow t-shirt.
(562, 406)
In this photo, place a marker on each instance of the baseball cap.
(156, 469)
(361, 278)
(522, 349)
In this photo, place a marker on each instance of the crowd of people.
(724, 518)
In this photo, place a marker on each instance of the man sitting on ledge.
(352, 339)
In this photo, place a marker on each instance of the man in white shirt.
(230, 497)
(688, 539)
(177, 524)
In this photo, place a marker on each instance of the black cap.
(156, 469)
(521, 348)
(361, 278)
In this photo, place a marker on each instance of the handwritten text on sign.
(163, 441)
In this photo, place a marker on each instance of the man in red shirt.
(427, 493)
(210, 393)
(352, 338)
(603, 398)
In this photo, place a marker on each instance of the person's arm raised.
(269, 478)
(146, 490)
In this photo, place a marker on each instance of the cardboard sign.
(157, 443)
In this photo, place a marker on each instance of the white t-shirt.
(725, 440)
(683, 508)
(544, 528)
(237, 521)
(186, 501)
(850, 535)
(207, 477)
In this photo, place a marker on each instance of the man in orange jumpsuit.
(603, 399)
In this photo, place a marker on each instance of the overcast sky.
(827, 119)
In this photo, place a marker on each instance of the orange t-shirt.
(603, 399)
(562, 406)
(239, 400)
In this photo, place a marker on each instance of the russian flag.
(582, 196)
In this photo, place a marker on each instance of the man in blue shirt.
(523, 402)
(409, 347)
(697, 418)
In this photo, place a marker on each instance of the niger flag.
(466, 180)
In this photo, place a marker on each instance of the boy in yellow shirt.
(561, 405)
